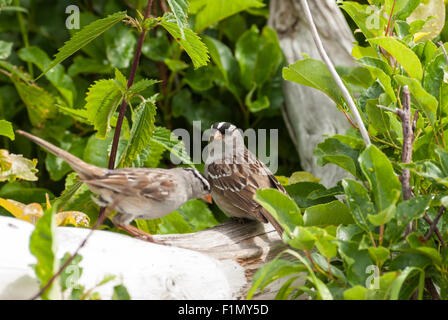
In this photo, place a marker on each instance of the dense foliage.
(369, 237)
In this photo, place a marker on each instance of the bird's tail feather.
(84, 169)
(274, 222)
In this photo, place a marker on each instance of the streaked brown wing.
(238, 182)
(147, 183)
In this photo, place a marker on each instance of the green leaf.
(71, 274)
(40, 104)
(180, 11)
(380, 70)
(259, 56)
(142, 85)
(66, 140)
(174, 223)
(6, 129)
(355, 293)
(334, 151)
(359, 202)
(282, 208)
(191, 43)
(87, 65)
(5, 49)
(57, 77)
(382, 179)
(314, 73)
(121, 293)
(425, 102)
(175, 65)
(371, 24)
(43, 247)
(399, 281)
(83, 37)
(13, 166)
(141, 132)
(332, 213)
(274, 270)
(405, 56)
(379, 254)
(197, 214)
(120, 46)
(102, 100)
(356, 262)
(209, 12)
(225, 61)
(166, 139)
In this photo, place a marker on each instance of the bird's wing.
(149, 183)
(238, 179)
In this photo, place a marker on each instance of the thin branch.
(348, 98)
(431, 289)
(434, 223)
(135, 62)
(436, 230)
(388, 109)
(408, 140)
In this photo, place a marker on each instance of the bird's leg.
(140, 234)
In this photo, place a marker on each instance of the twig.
(436, 230)
(348, 98)
(431, 289)
(135, 62)
(388, 109)
(408, 140)
(434, 223)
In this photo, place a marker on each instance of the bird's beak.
(208, 198)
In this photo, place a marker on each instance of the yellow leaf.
(302, 176)
(75, 218)
(30, 213)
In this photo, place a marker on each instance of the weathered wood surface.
(308, 113)
(217, 263)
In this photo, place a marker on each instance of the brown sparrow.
(235, 174)
(135, 193)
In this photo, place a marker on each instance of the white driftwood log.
(213, 264)
(308, 113)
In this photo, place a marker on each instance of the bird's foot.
(140, 234)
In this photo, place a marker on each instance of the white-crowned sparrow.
(135, 193)
(235, 174)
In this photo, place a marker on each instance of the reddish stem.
(135, 62)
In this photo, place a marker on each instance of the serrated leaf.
(57, 77)
(191, 43)
(13, 166)
(40, 104)
(141, 132)
(83, 37)
(180, 11)
(165, 138)
(6, 129)
(142, 85)
(102, 99)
